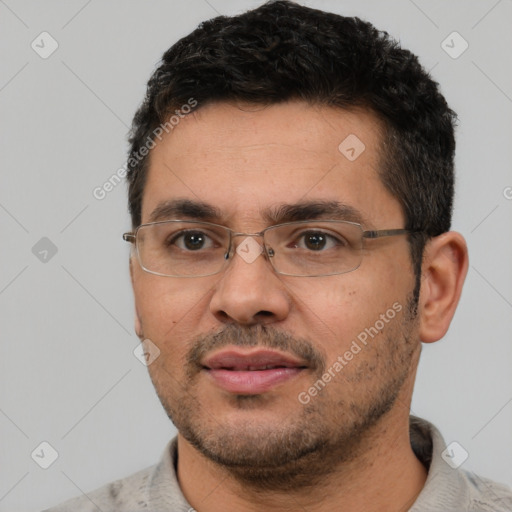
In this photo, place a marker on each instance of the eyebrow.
(303, 210)
(311, 210)
(185, 208)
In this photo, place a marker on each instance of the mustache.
(255, 336)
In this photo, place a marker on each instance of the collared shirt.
(447, 489)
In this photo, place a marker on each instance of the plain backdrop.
(67, 369)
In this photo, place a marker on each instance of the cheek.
(166, 313)
(167, 307)
(338, 309)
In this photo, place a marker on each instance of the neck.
(384, 476)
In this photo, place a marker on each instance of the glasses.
(177, 248)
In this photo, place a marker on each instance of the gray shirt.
(156, 489)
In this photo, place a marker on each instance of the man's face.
(243, 162)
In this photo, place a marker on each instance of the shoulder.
(448, 485)
(128, 494)
(486, 495)
(151, 489)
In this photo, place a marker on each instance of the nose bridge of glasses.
(248, 250)
(234, 234)
(245, 235)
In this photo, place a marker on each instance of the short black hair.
(282, 51)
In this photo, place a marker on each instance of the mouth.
(251, 373)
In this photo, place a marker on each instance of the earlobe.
(444, 269)
(138, 323)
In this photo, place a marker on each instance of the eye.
(191, 240)
(318, 241)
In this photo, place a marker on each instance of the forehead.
(244, 160)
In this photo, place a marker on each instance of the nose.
(249, 291)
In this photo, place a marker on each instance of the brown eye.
(315, 241)
(192, 241)
(318, 241)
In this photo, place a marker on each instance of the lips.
(251, 372)
(260, 360)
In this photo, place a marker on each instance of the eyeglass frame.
(131, 237)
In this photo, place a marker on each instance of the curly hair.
(283, 51)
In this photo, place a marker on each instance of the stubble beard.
(300, 451)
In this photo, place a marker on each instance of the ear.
(444, 269)
(138, 322)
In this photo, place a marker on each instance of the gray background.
(67, 370)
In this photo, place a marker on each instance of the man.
(291, 187)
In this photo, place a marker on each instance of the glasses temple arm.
(386, 232)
